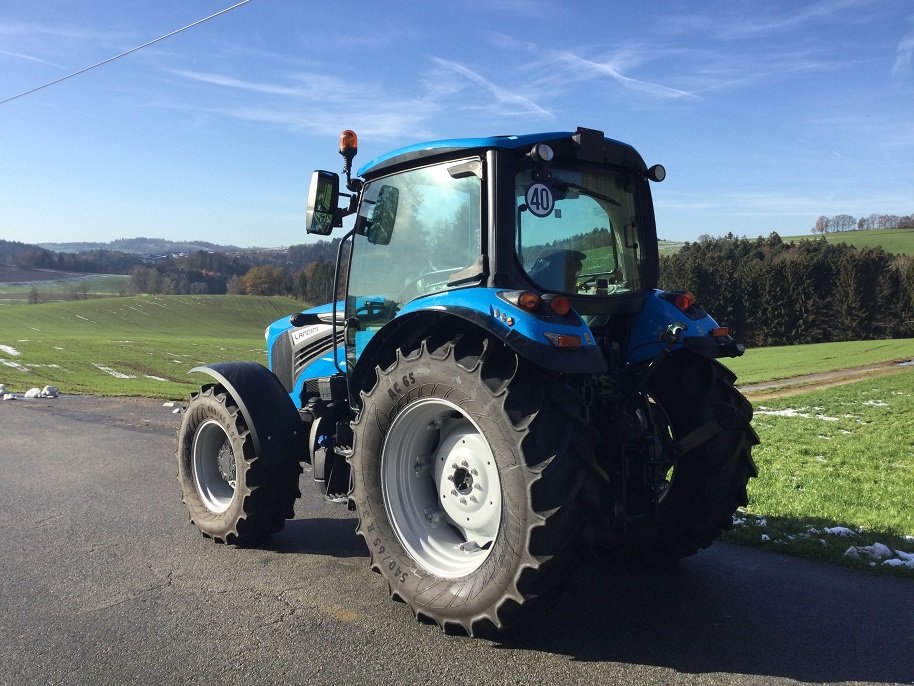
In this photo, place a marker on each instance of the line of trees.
(303, 272)
(845, 222)
(774, 293)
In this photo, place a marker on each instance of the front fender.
(267, 409)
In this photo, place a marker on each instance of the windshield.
(576, 233)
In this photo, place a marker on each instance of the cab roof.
(433, 148)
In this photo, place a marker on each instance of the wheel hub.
(213, 466)
(464, 474)
(441, 487)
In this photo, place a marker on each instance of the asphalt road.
(103, 581)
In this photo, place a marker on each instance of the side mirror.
(380, 227)
(323, 203)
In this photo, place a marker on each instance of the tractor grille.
(289, 362)
(309, 353)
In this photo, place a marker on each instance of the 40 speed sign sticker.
(539, 200)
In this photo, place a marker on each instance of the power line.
(127, 52)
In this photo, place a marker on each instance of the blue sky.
(765, 114)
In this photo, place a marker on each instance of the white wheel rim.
(441, 487)
(213, 466)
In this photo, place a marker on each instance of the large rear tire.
(232, 494)
(466, 482)
(695, 397)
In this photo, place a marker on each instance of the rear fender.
(697, 331)
(482, 309)
(268, 411)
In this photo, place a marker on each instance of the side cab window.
(414, 231)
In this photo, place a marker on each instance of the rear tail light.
(684, 300)
(557, 303)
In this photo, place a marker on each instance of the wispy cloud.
(30, 58)
(737, 24)
(903, 54)
(240, 84)
(36, 30)
(506, 101)
(316, 103)
(614, 69)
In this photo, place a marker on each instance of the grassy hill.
(895, 241)
(57, 285)
(142, 345)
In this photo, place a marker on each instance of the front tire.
(232, 494)
(466, 482)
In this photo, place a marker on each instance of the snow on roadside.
(46, 392)
(9, 350)
(874, 554)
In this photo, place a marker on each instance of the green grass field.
(95, 286)
(840, 457)
(781, 362)
(895, 241)
(142, 345)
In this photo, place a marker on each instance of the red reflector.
(528, 301)
(564, 340)
(720, 331)
(560, 305)
(685, 300)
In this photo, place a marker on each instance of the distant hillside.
(141, 246)
(894, 241)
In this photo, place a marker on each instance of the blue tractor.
(497, 387)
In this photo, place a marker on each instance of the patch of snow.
(765, 537)
(14, 365)
(793, 412)
(875, 403)
(840, 531)
(32, 393)
(79, 316)
(877, 551)
(113, 372)
(168, 403)
(9, 350)
(154, 378)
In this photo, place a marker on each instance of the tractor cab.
(558, 224)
